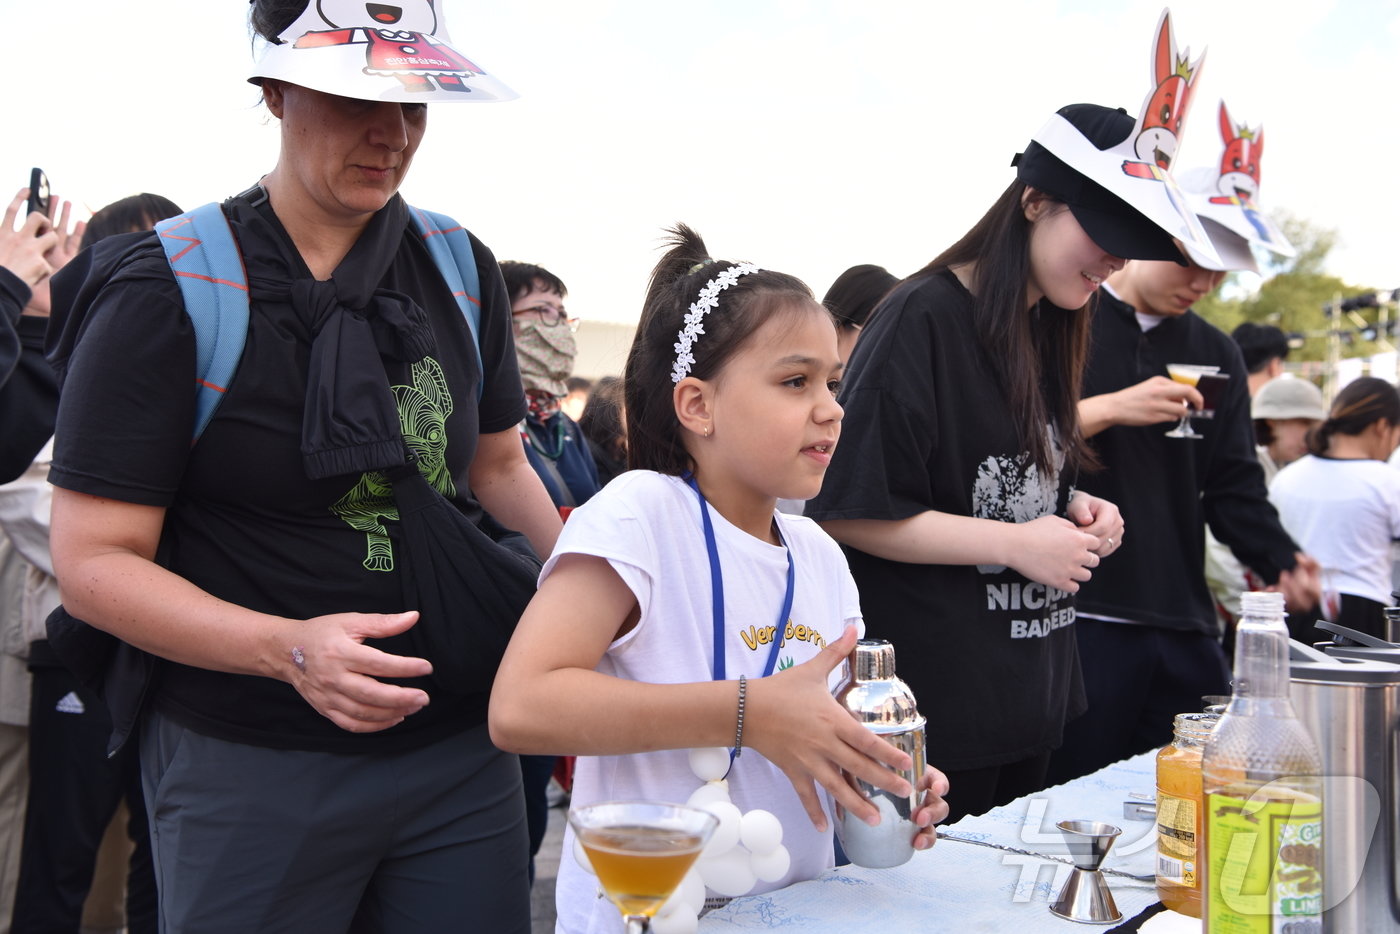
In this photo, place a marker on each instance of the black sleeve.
(503, 395)
(1235, 498)
(889, 433)
(126, 410)
(14, 295)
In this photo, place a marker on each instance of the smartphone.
(38, 192)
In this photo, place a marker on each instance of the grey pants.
(428, 841)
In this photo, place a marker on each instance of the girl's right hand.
(795, 722)
(338, 675)
(1052, 551)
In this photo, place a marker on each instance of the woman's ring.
(1110, 544)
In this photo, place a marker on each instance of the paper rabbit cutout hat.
(379, 52)
(1226, 199)
(1127, 164)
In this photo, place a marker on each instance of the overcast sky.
(804, 135)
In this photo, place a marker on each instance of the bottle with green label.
(1263, 793)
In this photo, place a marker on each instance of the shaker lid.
(874, 696)
(873, 660)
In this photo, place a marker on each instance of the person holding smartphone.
(24, 263)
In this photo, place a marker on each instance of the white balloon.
(709, 763)
(761, 831)
(581, 855)
(771, 867)
(692, 888)
(708, 793)
(726, 835)
(729, 873)
(682, 919)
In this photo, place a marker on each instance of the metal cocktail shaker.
(885, 705)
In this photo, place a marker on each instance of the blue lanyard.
(717, 590)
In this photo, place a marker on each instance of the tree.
(1295, 297)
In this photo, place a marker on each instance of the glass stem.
(637, 924)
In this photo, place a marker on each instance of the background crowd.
(268, 694)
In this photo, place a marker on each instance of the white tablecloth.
(960, 888)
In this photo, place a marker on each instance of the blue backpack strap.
(451, 249)
(209, 270)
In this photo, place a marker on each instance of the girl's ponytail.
(1320, 436)
(1361, 404)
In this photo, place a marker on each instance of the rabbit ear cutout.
(1228, 193)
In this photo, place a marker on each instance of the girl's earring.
(707, 431)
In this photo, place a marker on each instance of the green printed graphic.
(423, 410)
(1265, 865)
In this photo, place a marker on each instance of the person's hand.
(1099, 518)
(793, 720)
(66, 247)
(1152, 402)
(338, 675)
(1302, 586)
(70, 238)
(23, 251)
(1052, 551)
(933, 809)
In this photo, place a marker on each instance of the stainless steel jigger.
(1086, 897)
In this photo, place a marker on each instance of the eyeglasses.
(550, 316)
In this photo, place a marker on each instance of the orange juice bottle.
(1180, 814)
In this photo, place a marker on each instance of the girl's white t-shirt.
(1344, 513)
(648, 527)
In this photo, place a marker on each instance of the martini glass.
(1188, 374)
(640, 851)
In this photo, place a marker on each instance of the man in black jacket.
(1148, 640)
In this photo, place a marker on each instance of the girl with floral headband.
(681, 612)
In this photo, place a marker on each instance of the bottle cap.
(1261, 603)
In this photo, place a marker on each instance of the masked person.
(321, 577)
(544, 345)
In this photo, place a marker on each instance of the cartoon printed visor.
(1228, 194)
(1135, 167)
(1232, 252)
(379, 52)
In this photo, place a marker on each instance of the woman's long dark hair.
(1038, 356)
(1361, 404)
(654, 434)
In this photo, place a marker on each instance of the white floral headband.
(709, 299)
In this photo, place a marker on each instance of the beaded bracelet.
(739, 726)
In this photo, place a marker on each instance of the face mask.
(546, 356)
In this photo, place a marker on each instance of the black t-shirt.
(243, 521)
(989, 655)
(1168, 489)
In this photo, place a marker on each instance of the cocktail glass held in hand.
(1208, 380)
(640, 851)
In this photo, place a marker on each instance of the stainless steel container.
(1348, 697)
(884, 705)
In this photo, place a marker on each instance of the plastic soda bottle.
(1263, 789)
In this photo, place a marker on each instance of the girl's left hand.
(934, 808)
(1099, 518)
